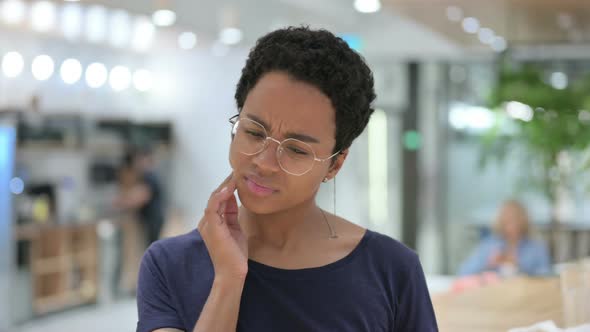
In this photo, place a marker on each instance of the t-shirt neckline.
(312, 271)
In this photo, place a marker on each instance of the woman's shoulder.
(179, 242)
(380, 248)
(534, 244)
(177, 250)
(391, 250)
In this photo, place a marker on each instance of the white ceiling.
(383, 34)
(521, 22)
(416, 29)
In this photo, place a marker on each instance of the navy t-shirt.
(379, 286)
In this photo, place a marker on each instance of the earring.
(325, 179)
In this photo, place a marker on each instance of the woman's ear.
(337, 165)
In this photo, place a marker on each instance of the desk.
(510, 303)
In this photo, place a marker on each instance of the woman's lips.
(257, 189)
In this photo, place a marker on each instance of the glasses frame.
(234, 120)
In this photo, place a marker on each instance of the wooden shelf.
(64, 265)
(87, 256)
(50, 265)
(60, 301)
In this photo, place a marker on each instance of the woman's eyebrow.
(302, 137)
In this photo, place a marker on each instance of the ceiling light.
(164, 17)
(454, 14)
(470, 25)
(143, 33)
(12, 64)
(71, 20)
(13, 11)
(43, 15)
(96, 75)
(119, 28)
(120, 78)
(486, 35)
(367, 6)
(70, 71)
(42, 67)
(230, 36)
(499, 44)
(96, 23)
(187, 40)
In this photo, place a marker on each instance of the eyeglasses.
(294, 156)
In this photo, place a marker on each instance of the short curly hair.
(323, 60)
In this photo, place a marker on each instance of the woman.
(510, 250)
(279, 262)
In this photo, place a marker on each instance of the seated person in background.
(510, 250)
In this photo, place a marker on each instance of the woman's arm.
(220, 312)
(477, 261)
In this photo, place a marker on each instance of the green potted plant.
(550, 125)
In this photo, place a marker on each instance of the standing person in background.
(146, 196)
(130, 240)
(510, 250)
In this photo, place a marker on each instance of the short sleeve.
(414, 307)
(154, 305)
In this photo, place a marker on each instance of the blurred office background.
(477, 102)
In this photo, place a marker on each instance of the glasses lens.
(249, 137)
(295, 156)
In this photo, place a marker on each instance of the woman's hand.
(223, 236)
(496, 259)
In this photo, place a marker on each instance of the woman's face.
(128, 177)
(284, 107)
(512, 222)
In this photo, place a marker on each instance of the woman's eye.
(255, 134)
(297, 151)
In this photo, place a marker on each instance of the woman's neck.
(284, 230)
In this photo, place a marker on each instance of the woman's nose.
(267, 158)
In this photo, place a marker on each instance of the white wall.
(207, 86)
(195, 91)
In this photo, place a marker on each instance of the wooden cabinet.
(64, 265)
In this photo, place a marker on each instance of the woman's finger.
(214, 204)
(224, 183)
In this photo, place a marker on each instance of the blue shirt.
(533, 257)
(379, 286)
